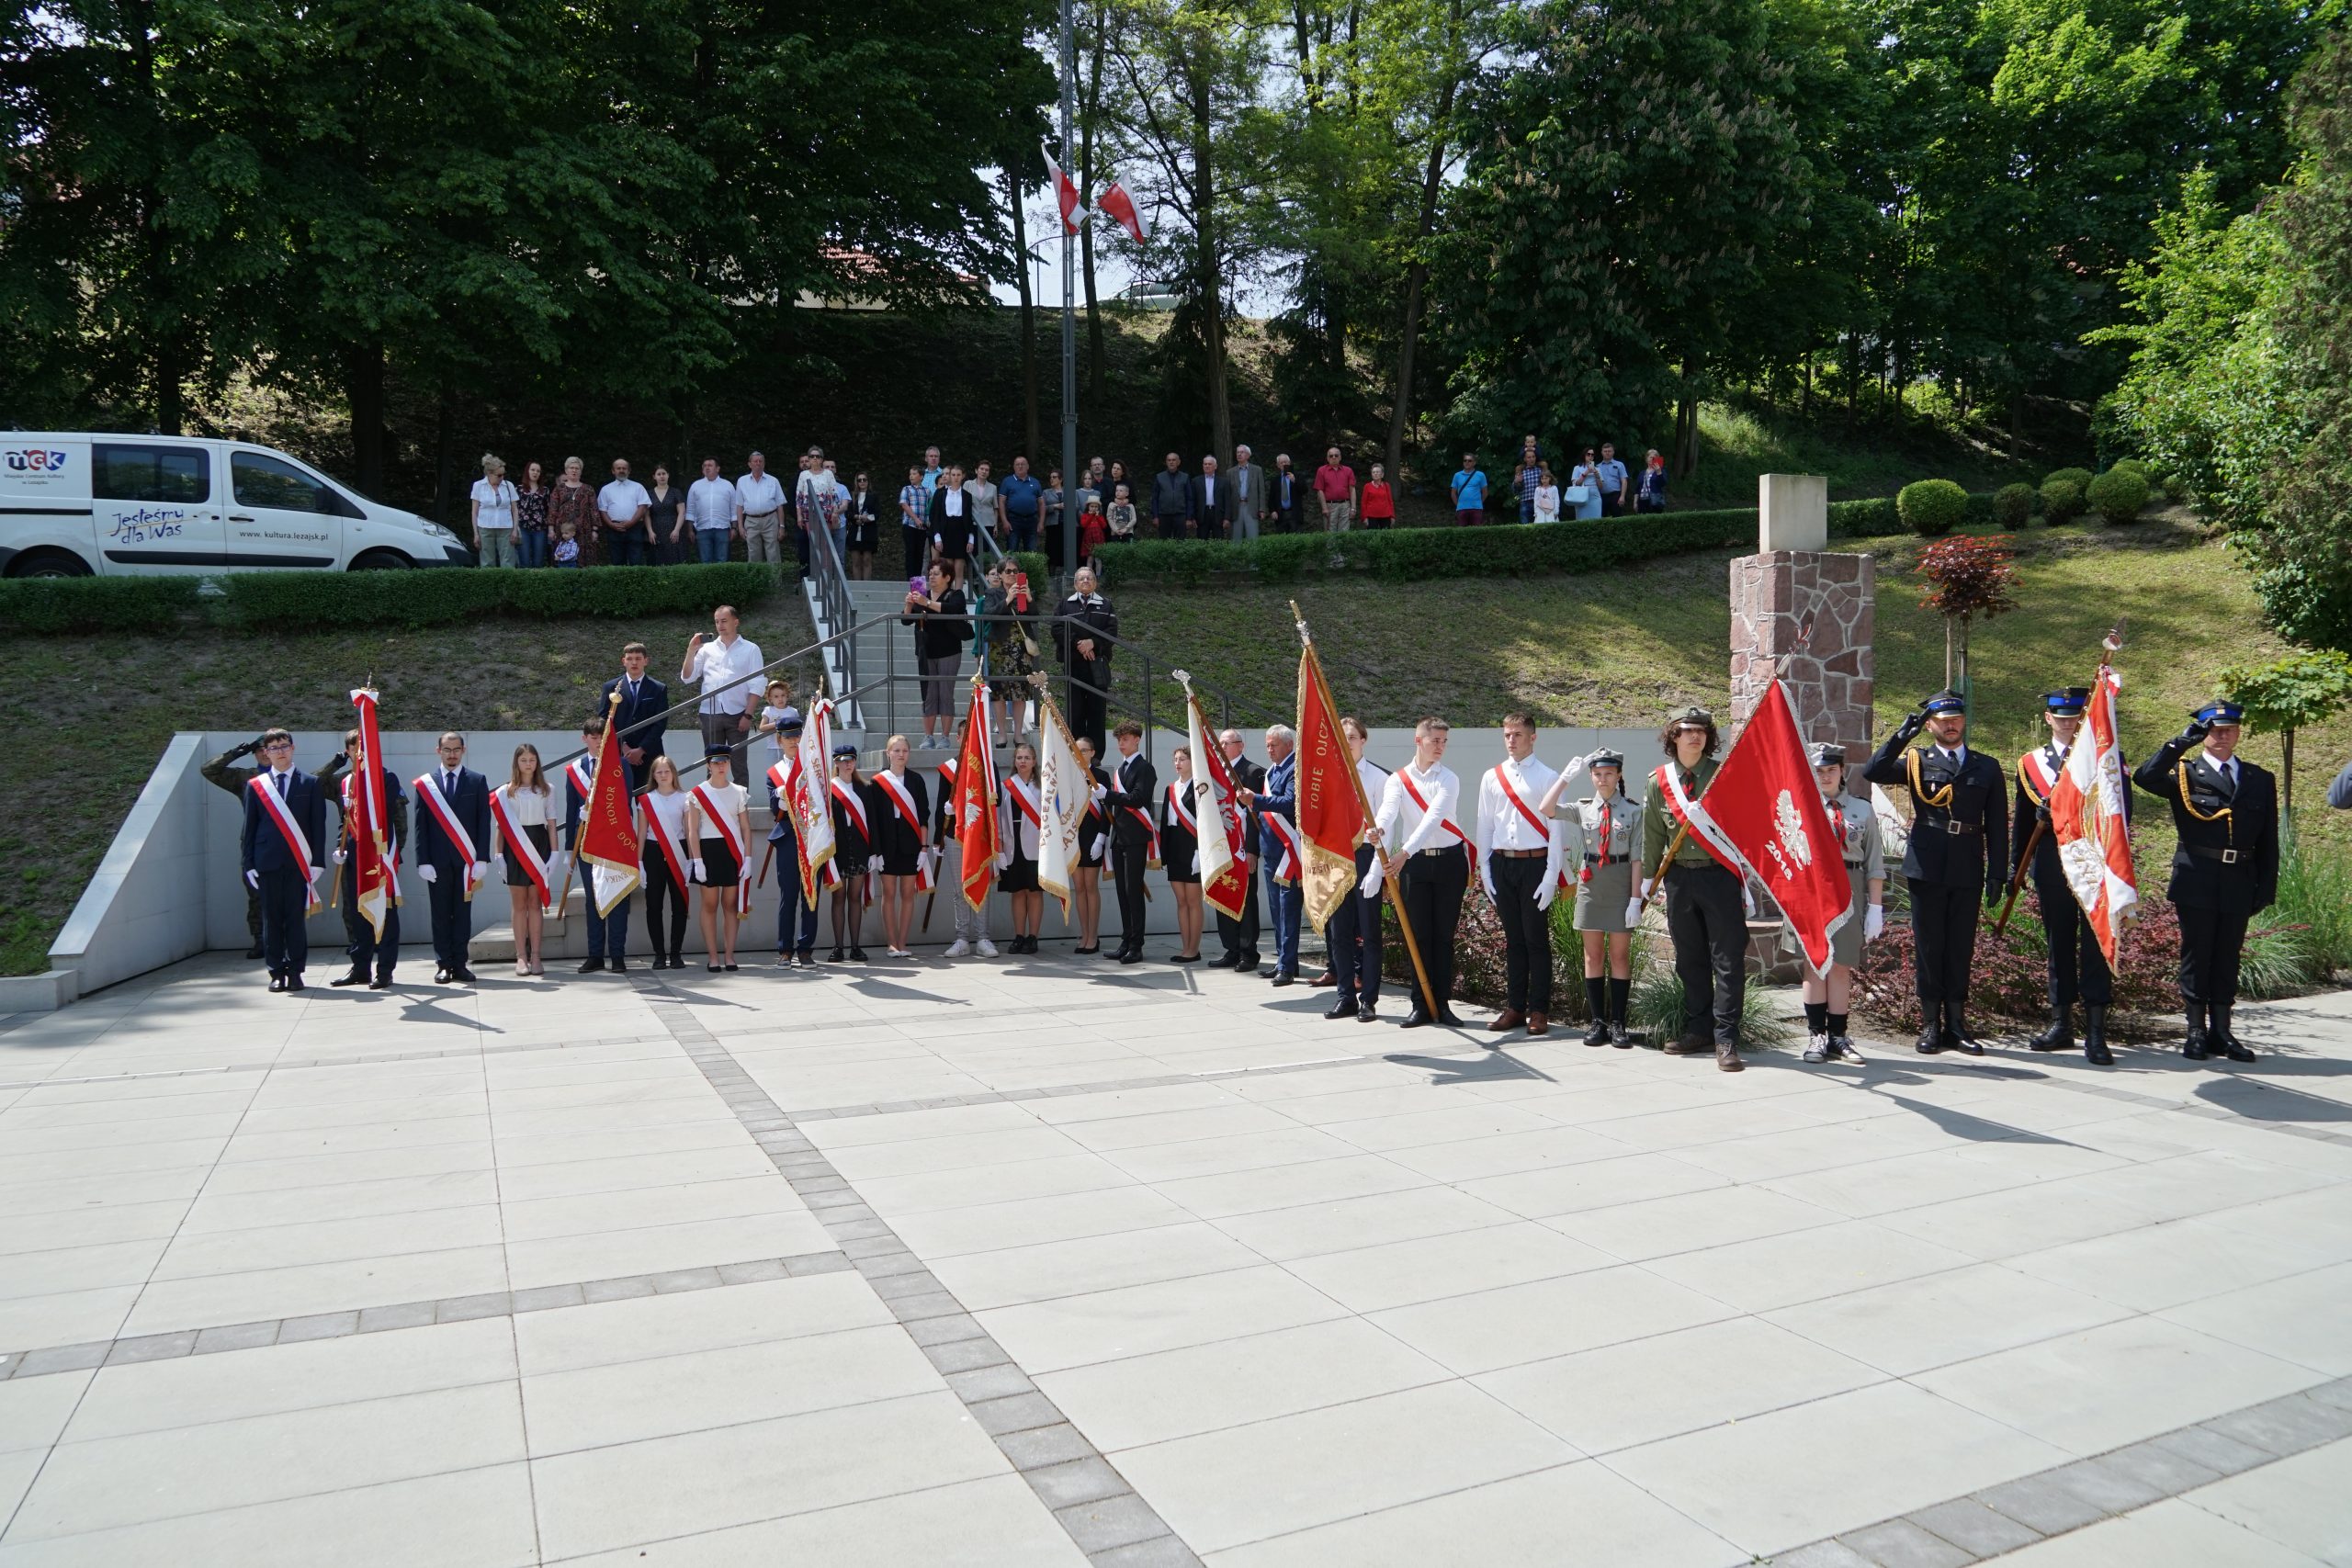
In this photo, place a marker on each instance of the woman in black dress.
(1016, 863)
(852, 800)
(862, 519)
(667, 517)
(1094, 848)
(1180, 852)
(902, 807)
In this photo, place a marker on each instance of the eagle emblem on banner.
(1790, 824)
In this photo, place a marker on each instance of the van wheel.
(49, 563)
(382, 560)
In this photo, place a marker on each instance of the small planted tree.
(2288, 693)
(1969, 578)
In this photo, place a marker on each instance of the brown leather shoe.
(1538, 1024)
(1727, 1059)
(1686, 1045)
(1511, 1018)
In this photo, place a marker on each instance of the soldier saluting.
(1959, 828)
(2078, 967)
(2226, 870)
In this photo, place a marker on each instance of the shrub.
(2127, 465)
(2079, 477)
(95, 604)
(1040, 573)
(2062, 501)
(1864, 519)
(2315, 895)
(2013, 505)
(1931, 508)
(299, 599)
(1654, 1009)
(2118, 494)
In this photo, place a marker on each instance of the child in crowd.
(567, 545)
(1122, 515)
(1093, 530)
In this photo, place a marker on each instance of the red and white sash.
(290, 829)
(2041, 779)
(903, 798)
(1183, 814)
(661, 833)
(855, 803)
(943, 808)
(428, 789)
(519, 845)
(1285, 868)
(1025, 800)
(1543, 829)
(583, 777)
(729, 829)
(1404, 777)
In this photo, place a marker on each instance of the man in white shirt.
(726, 669)
(1418, 820)
(710, 509)
(1518, 865)
(759, 513)
(622, 508)
(815, 503)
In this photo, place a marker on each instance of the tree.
(1970, 577)
(2289, 693)
(1627, 172)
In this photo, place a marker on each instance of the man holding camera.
(1959, 828)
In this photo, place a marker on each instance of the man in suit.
(644, 701)
(1285, 494)
(372, 954)
(1132, 795)
(2226, 870)
(2076, 967)
(1249, 495)
(1086, 658)
(1238, 936)
(1209, 506)
(282, 852)
(452, 840)
(1959, 828)
(222, 773)
(1276, 802)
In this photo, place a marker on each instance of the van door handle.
(239, 518)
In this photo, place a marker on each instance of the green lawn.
(83, 718)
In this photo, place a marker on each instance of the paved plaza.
(1036, 1262)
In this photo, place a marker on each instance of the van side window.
(175, 475)
(264, 482)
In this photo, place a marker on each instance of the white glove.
(1747, 899)
(1874, 922)
(481, 869)
(1487, 882)
(341, 856)
(1371, 884)
(694, 870)
(427, 872)
(498, 863)
(556, 859)
(253, 880)
(317, 872)
(1004, 859)
(1576, 766)
(1551, 890)
(1634, 912)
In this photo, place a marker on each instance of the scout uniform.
(1863, 846)
(1705, 915)
(2076, 967)
(1960, 828)
(2224, 872)
(1601, 839)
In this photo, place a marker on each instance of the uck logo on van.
(34, 460)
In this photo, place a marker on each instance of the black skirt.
(1093, 843)
(1178, 852)
(515, 875)
(719, 866)
(900, 860)
(1020, 876)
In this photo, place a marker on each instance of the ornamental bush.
(95, 604)
(2081, 478)
(2118, 495)
(1932, 508)
(2013, 507)
(2061, 500)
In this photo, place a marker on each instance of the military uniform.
(1959, 829)
(2077, 969)
(1602, 836)
(2224, 872)
(1705, 915)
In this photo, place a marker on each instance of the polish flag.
(1115, 201)
(1064, 192)
(2087, 818)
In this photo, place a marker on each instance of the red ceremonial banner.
(974, 802)
(1764, 808)
(2089, 820)
(1331, 813)
(374, 860)
(607, 838)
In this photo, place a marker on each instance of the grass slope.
(83, 718)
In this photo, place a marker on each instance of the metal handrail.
(833, 599)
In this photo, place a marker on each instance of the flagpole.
(1069, 298)
(1379, 855)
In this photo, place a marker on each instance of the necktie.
(280, 779)
(450, 783)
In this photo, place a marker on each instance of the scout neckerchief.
(1543, 829)
(281, 814)
(657, 810)
(1183, 813)
(1586, 875)
(1404, 777)
(429, 788)
(519, 845)
(715, 815)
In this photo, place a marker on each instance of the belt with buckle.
(2227, 857)
(1521, 854)
(1953, 825)
(1437, 850)
(1606, 860)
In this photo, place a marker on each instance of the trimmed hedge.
(2119, 494)
(2013, 505)
(2061, 500)
(306, 600)
(95, 604)
(1932, 508)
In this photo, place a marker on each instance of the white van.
(77, 503)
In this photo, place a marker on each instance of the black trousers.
(285, 909)
(1172, 525)
(368, 953)
(1238, 936)
(2078, 969)
(1943, 928)
(1127, 880)
(1089, 709)
(2210, 943)
(1527, 933)
(663, 892)
(1708, 925)
(1353, 938)
(453, 917)
(1433, 886)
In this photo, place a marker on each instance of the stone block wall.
(1832, 682)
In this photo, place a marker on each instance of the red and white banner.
(1065, 193)
(607, 840)
(366, 817)
(290, 831)
(1327, 797)
(1115, 201)
(518, 844)
(1223, 857)
(2087, 818)
(428, 789)
(972, 805)
(1762, 816)
(812, 816)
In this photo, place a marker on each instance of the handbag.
(1576, 495)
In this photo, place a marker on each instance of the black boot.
(1956, 1033)
(2195, 1050)
(2060, 1035)
(1596, 999)
(2095, 1049)
(1618, 992)
(1931, 1036)
(2230, 1044)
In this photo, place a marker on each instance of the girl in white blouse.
(1024, 809)
(523, 801)
(662, 816)
(719, 834)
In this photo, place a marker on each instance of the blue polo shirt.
(1470, 490)
(1020, 494)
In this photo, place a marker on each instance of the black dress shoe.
(1281, 979)
(1249, 964)
(464, 975)
(441, 974)
(1931, 1040)
(294, 983)
(1446, 1016)
(278, 982)
(591, 966)
(356, 978)
(616, 964)
(1344, 1008)
(1416, 1019)
(381, 983)
(1134, 955)
(1367, 1013)
(857, 954)
(2237, 1053)
(834, 956)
